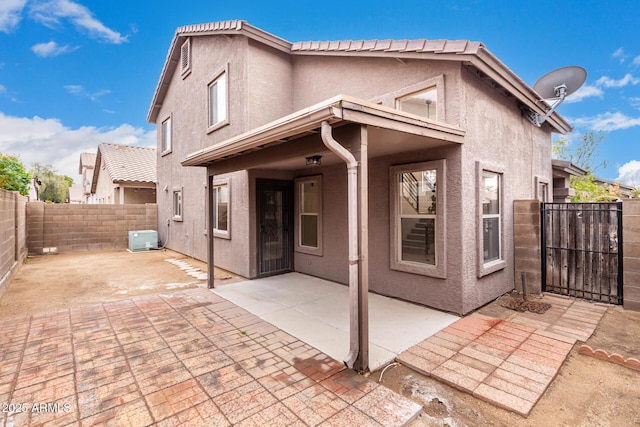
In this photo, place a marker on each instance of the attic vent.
(185, 58)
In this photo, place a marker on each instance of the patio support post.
(209, 206)
(357, 358)
(363, 234)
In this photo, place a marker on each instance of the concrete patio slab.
(187, 358)
(316, 311)
(507, 363)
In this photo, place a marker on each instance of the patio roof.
(337, 110)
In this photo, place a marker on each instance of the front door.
(275, 226)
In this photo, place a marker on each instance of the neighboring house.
(85, 169)
(394, 163)
(76, 195)
(563, 170)
(124, 175)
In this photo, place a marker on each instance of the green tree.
(54, 188)
(13, 176)
(583, 153)
(587, 190)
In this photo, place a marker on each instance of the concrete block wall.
(526, 236)
(631, 253)
(12, 235)
(71, 228)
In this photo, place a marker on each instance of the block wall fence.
(13, 235)
(58, 228)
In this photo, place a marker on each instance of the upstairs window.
(217, 101)
(422, 103)
(166, 136)
(185, 58)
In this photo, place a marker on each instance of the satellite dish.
(557, 85)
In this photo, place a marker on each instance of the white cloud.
(50, 142)
(10, 14)
(78, 90)
(619, 55)
(629, 173)
(635, 102)
(50, 12)
(585, 91)
(636, 60)
(626, 80)
(607, 122)
(50, 49)
(3, 89)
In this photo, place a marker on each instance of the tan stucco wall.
(131, 196)
(317, 78)
(499, 137)
(259, 91)
(233, 254)
(105, 191)
(265, 85)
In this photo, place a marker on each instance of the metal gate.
(582, 250)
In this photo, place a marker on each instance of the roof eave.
(333, 110)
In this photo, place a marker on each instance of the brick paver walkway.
(188, 358)
(507, 363)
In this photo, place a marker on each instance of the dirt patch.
(586, 391)
(52, 282)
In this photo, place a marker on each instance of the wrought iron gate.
(582, 250)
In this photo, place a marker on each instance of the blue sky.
(74, 73)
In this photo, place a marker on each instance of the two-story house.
(392, 163)
(124, 174)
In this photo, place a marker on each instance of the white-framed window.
(177, 205)
(221, 208)
(165, 143)
(217, 101)
(490, 219)
(491, 216)
(418, 218)
(185, 58)
(421, 103)
(542, 190)
(308, 220)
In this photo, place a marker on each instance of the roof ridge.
(421, 45)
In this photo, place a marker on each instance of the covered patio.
(316, 312)
(345, 133)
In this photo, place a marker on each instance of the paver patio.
(507, 363)
(187, 358)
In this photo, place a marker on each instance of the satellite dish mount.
(556, 86)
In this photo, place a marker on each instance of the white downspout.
(352, 214)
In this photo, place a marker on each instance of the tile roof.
(418, 46)
(472, 53)
(88, 160)
(128, 164)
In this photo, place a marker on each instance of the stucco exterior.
(124, 175)
(273, 97)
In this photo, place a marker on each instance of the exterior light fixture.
(313, 160)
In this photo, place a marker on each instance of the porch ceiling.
(389, 131)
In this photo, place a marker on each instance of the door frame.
(286, 186)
